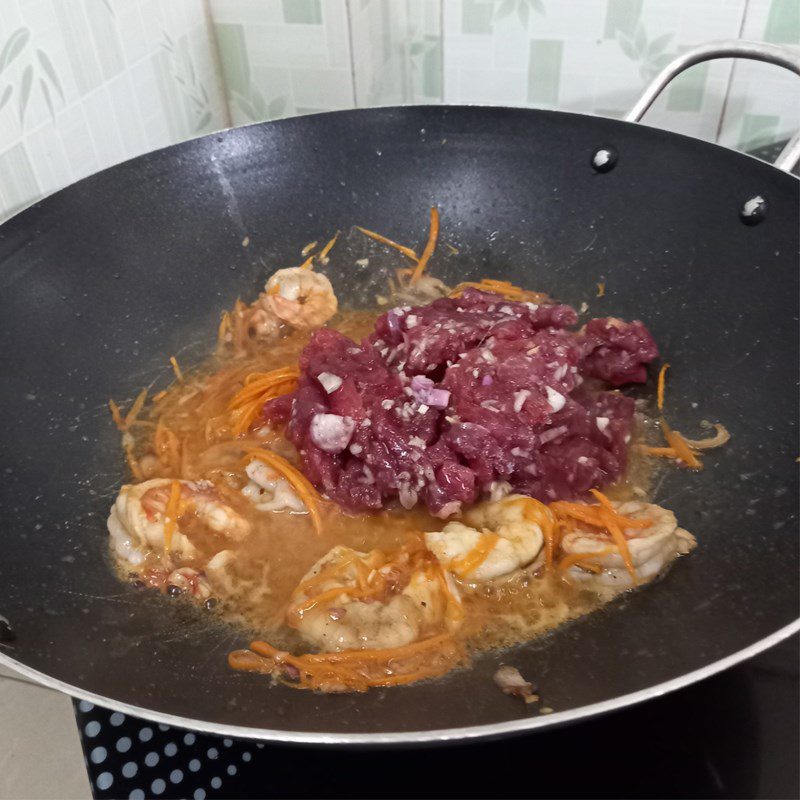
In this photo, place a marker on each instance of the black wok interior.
(102, 282)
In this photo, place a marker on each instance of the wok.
(103, 281)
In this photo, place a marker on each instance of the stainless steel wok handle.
(726, 48)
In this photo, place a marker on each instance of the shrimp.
(269, 491)
(301, 297)
(262, 323)
(189, 581)
(352, 600)
(651, 548)
(496, 541)
(138, 519)
(224, 579)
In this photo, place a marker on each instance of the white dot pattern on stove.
(104, 780)
(158, 761)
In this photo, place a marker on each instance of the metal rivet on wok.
(604, 159)
(754, 210)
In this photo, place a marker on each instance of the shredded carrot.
(160, 396)
(171, 514)
(388, 654)
(328, 247)
(603, 501)
(137, 406)
(578, 558)
(168, 448)
(307, 249)
(622, 543)
(591, 515)
(539, 514)
(681, 448)
(454, 611)
(224, 328)
(305, 490)
(661, 383)
(280, 371)
(610, 519)
(504, 288)
(259, 388)
(116, 415)
(406, 251)
(124, 423)
(176, 368)
(433, 234)
(472, 560)
(603, 516)
(720, 438)
(601, 289)
(319, 257)
(297, 611)
(356, 670)
(330, 571)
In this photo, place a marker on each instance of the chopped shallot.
(511, 682)
(331, 433)
(330, 382)
(425, 392)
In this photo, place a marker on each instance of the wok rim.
(589, 116)
(437, 736)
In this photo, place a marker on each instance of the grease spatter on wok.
(380, 494)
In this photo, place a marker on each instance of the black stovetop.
(733, 735)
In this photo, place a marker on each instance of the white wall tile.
(49, 160)
(76, 138)
(487, 56)
(120, 93)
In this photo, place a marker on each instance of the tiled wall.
(87, 83)
(77, 94)
(283, 57)
(589, 55)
